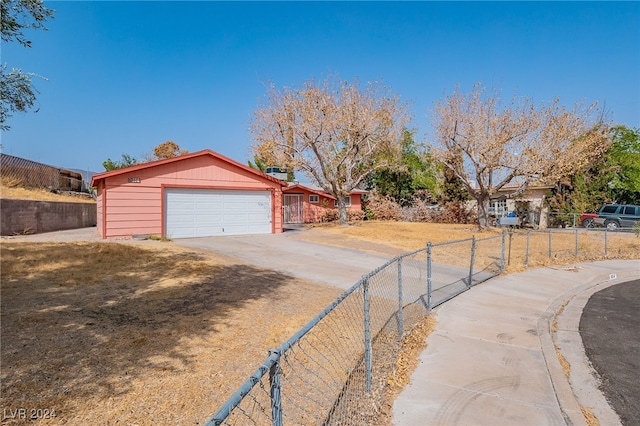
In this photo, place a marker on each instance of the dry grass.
(404, 236)
(14, 189)
(589, 417)
(554, 324)
(393, 238)
(138, 334)
(413, 344)
(566, 367)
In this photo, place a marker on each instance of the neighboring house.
(530, 204)
(306, 203)
(194, 195)
(38, 175)
(86, 178)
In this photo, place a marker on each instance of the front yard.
(109, 333)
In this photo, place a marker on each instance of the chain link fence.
(525, 249)
(335, 369)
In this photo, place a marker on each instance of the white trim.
(314, 198)
(498, 207)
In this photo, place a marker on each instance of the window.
(608, 209)
(347, 201)
(498, 207)
(314, 198)
(630, 210)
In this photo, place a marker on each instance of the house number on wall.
(134, 180)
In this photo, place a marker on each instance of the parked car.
(615, 216)
(586, 220)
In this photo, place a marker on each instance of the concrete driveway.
(337, 266)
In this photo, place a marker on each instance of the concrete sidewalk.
(492, 357)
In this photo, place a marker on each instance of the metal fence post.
(473, 254)
(606, 241)
(502, 251)
(275, 373)
(510, 244)
(400, 318)
(549, 243)
(576, 231)
(429, 277)
(526, 251)
(367, 334)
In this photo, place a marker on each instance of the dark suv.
(615, 216)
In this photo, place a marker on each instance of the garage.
(200, 194)
(209, 212)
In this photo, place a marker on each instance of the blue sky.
(123, 77)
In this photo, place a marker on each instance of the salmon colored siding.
(133, 209)
(356, 202)
(313, 212)
(277, 214)
(127, 208)
(99, 208)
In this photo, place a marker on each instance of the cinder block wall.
(34, 217)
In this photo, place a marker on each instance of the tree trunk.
(342, 212)
(483, 210)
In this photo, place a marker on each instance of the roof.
(205, 152)
(309, 189)
(318, 190)
(515, 186)
(7, 160)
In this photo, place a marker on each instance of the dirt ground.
(114, 333)
(11, 188)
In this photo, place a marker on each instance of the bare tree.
(518, 143)
(333, 131)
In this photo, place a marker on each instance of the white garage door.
(208, 212)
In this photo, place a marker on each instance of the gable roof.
(205, 152)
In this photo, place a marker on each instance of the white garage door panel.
(205, 212)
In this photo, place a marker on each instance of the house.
(530, 204)
(307, 203)
(194, 195)
(37, 175)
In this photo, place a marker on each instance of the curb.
(580, 389)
